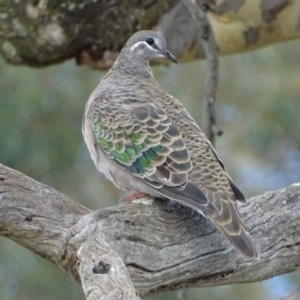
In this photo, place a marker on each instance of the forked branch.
(155, 247)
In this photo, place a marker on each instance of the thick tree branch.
(163, 245)
(238, 25)
(41, 33)
(102, 271)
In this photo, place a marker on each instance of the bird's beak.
(169, 55)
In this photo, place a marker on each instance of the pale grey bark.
(238, 26)
(40, 33)
(102, 271)
(164, 246)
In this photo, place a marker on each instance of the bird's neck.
(127, 66)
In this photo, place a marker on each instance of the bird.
(144, 140)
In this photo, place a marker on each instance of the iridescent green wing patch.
(149, 146)
(131, 150)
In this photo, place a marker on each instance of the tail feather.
(243, 243)
(222, 211)
(234, 228)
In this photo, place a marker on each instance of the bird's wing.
(210, 176)
(144, 141)
(204, 156)
(236, 191)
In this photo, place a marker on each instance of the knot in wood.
(101, 268)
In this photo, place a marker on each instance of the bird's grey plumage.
(144, 139)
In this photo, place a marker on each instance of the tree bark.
(40, 33)
(154, 246)
(210, 48)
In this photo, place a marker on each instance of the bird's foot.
(135, 196)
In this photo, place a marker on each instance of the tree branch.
(211, 54)
(164, 246)
(41, 33)
(102, 271)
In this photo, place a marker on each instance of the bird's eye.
(150, 41)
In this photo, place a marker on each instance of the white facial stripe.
(139, 43)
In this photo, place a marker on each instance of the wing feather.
(150, 146)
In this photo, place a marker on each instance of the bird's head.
(147, 45)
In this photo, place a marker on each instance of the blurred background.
(40, 135)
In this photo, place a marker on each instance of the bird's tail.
(231, 224)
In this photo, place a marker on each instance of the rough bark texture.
(40, 32)
(102, 271)
(44, 32)
(163, 245)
